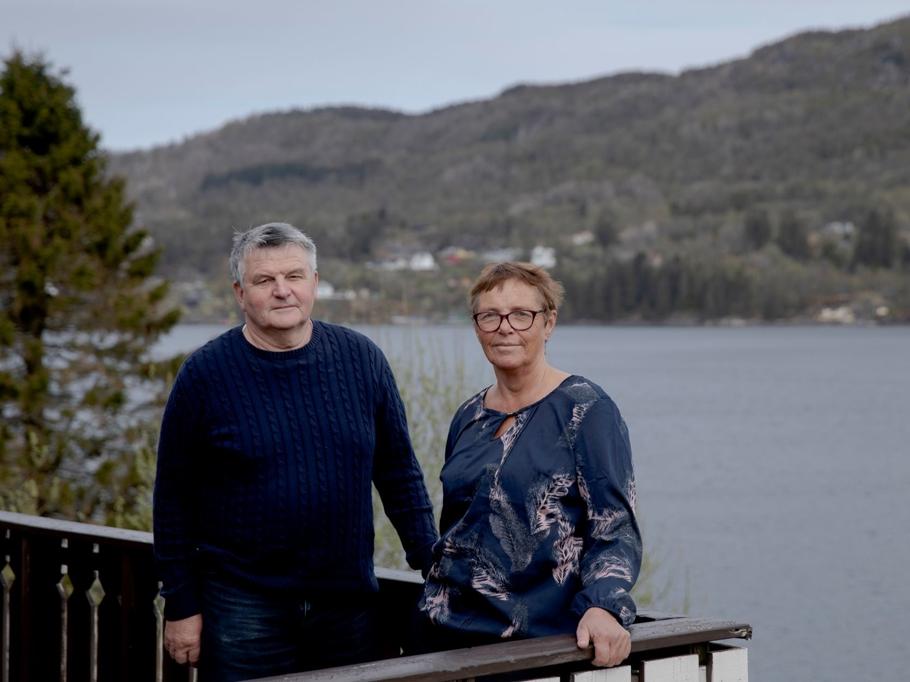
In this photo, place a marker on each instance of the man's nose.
(281, 289)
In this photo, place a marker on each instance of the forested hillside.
(765, 188)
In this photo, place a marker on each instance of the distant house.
(395, 263)
(453, 255)
(582, 238)
(841, 230)
(422, 261)
(840, 315)
(501, 254)
(327, 292)
(543, 256)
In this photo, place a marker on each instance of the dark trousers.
(425, 638)
(248, 634)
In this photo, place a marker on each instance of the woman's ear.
(550, 324)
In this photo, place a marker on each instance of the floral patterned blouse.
(539, 524)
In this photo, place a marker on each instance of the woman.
(538, 533)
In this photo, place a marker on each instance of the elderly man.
(272, 436)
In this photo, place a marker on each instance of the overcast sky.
(149, 72)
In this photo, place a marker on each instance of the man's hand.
(182, 639)
(611, 640)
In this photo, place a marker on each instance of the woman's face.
(506, 348)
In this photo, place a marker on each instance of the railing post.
(158, 606)
(65, 590)
(95, 595)
(7, 577)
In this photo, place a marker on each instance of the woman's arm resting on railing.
(612, 643)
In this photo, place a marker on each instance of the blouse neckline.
(498, 413)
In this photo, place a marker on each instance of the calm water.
(773, 469)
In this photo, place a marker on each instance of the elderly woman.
(538, 530)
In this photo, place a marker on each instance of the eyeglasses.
(519, 320)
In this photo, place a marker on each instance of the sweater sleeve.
(398, 476)
(173, 503)
(611, 553)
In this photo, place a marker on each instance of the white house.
(422, 261)
(543, 256)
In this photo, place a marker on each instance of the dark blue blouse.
(537, 525)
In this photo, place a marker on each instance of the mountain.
(815, 127)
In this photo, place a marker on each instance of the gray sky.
(149, 72)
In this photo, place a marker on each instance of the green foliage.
(605, 229)
(433, 382)
(80, 309)
(653, 587)
(877, 243)
(793, 236)
(757, 227)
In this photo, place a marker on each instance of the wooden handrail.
(44, 525)
(521, 655)
(114, 536)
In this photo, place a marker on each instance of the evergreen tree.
(605, 230)
(79, 310)
(877, 242)
(757, 227)
(793, 236)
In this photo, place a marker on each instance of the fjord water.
(773, 469)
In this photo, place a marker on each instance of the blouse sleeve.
(611, 552)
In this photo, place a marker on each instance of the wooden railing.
(665, 648)
(81, 602)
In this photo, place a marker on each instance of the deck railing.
(81, 602)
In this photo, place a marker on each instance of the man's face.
(279, 289)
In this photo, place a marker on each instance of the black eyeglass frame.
(507, 316)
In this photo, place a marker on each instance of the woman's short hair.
(270, 235)
(495, 275)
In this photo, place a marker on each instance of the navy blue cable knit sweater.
(265, 464)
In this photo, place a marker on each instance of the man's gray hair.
(268, 236)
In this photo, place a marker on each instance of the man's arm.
(398, 476)
(173, 507)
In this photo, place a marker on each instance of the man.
(271, 438)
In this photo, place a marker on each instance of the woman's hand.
(611, 640)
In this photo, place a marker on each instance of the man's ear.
(238, 293)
